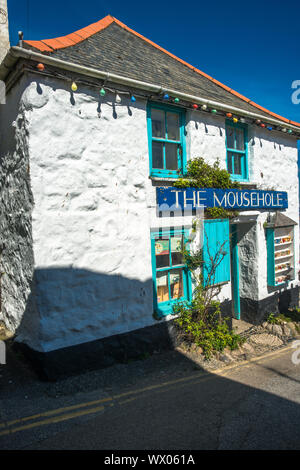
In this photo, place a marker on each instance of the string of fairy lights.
(170, 99)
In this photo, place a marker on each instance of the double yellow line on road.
(96, 406)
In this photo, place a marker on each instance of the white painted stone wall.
(94, 206)
(274, 166)
(272, 160)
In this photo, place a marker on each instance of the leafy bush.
(291, 315)
(202, 175)
(273, 319)
(200, 321)
(205, 329)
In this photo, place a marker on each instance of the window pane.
(176, 283)
(240, 140)
(173, 126)
(171, 156)
(162, 287)
(157, 155)
(229, 162)
(176, 248)
(237, 164)
(162, 254)
(158, 123)
(230, 137)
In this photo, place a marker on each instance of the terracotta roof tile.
(56, 43)
(39, 45)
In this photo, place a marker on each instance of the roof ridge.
(50, 45)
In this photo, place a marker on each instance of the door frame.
(235, 272)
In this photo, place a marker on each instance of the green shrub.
(204, 326)
(202, 175)
(200, 321)
(291, 315)
(273, 319)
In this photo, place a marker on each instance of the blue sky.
(253, 47)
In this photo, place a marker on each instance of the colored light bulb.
(102, 92)
(132, 98)
(176, 100)
(74, 86)
(262, 125)
(284, 129)
(290, 131)
(204, 107)
(229, 115)
(118, 98)
(166, 96)
(214, 111)
(235, 119)
(258, 121)
(40, 67)
(269, 128)
(195, 106)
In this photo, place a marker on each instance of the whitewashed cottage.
(97, 127)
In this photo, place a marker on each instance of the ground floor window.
(171, 278)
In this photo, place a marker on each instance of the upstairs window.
(237, 148)
(166, 141)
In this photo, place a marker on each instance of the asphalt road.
(255, 405)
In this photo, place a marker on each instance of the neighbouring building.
(98, 126)
(4, 35)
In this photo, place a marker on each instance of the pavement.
(166, 401)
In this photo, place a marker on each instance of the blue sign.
(235, 199)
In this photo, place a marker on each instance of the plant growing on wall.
(200, 321)
(219, 213)
(202, 175)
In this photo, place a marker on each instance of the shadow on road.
(153, 397)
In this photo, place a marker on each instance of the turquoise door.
(235, 272)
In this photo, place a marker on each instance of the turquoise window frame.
(242, 153)
(270, 257)
(181, 151)
(166, 308)
(270, 239)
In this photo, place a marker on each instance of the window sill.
(163, 178)
(248, 184)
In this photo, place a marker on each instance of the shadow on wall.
(76, 319)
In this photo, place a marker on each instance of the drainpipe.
(17, 52)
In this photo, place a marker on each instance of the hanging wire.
(116, 91)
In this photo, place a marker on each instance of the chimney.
(4, 34)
